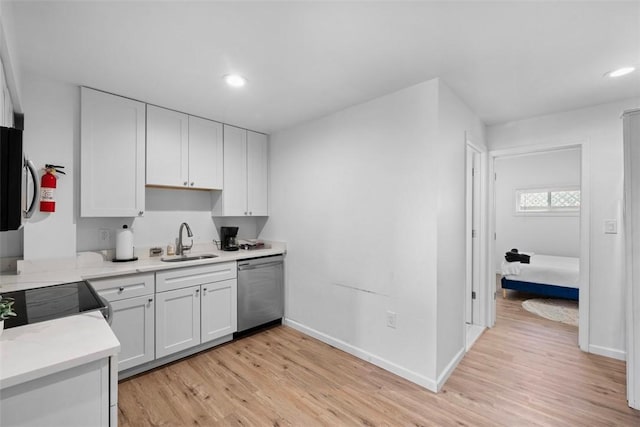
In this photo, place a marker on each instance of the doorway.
(475, 292)
(583, 232)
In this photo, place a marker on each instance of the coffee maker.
(228, 237)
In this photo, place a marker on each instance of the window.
(548, 200)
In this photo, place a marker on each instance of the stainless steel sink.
(188, 258)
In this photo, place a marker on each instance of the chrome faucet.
(180, 248)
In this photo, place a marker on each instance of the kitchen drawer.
(121, 287)
(190, 276)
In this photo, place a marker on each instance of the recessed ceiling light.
(620, 72)
(235, 80)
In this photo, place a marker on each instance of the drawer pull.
(150, 299)
(121, 289)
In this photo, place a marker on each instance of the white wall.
(354, 195)
(601, 128)
(549, 234)
(52, 135)
(362, 197)
(455, 120)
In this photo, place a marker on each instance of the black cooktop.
(52, 302)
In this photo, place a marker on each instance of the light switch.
(611, 226)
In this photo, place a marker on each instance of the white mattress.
(545, 269)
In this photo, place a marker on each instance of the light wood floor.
(525, 371)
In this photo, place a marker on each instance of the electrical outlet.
(391, 319)
(105, 235)
(611, 226)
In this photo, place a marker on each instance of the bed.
(547, 275)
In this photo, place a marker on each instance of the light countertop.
(36, 350)
(91, 265)
(33, 351)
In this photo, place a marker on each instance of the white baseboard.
(414, 377)
(450, 368)
(608, 352)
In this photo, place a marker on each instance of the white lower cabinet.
(177, 320)
(198, 305)
(132, 300)
(218, 310)
(157, 315)
(78, 396)
(133, 324)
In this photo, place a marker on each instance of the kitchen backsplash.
(165, 210)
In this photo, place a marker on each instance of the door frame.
(585, 224)
(478, 318)
(631, 235)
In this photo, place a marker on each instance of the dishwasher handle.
(249, 266)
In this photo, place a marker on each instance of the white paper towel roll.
(124, 243)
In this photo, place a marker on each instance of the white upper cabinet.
(112, 155)
(205, 153)
(182, 150)
(257, 174)
(245, 174)
(234, 195)
(167, 147)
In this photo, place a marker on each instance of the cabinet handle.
(204, 291)
(140, 213)
(197, 291)
(250, 213)
(150, 299)
(120, 289)
(192, 184)
(245, 213)
(186, 183)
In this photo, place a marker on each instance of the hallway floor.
(525, 371)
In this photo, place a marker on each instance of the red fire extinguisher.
(48, 185)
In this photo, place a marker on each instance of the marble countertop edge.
(33, 351)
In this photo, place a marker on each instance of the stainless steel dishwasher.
(260, 291)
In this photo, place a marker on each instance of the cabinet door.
(218, 309)
(257, 174)
(133, 324)
(112, 153)
(205, 153)
(78, 396)
(167, 147)
(177, 320)
(234, 194)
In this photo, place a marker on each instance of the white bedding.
(545, 269)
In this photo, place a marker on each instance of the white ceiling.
(507, 60)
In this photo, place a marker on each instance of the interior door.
(473, 240)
